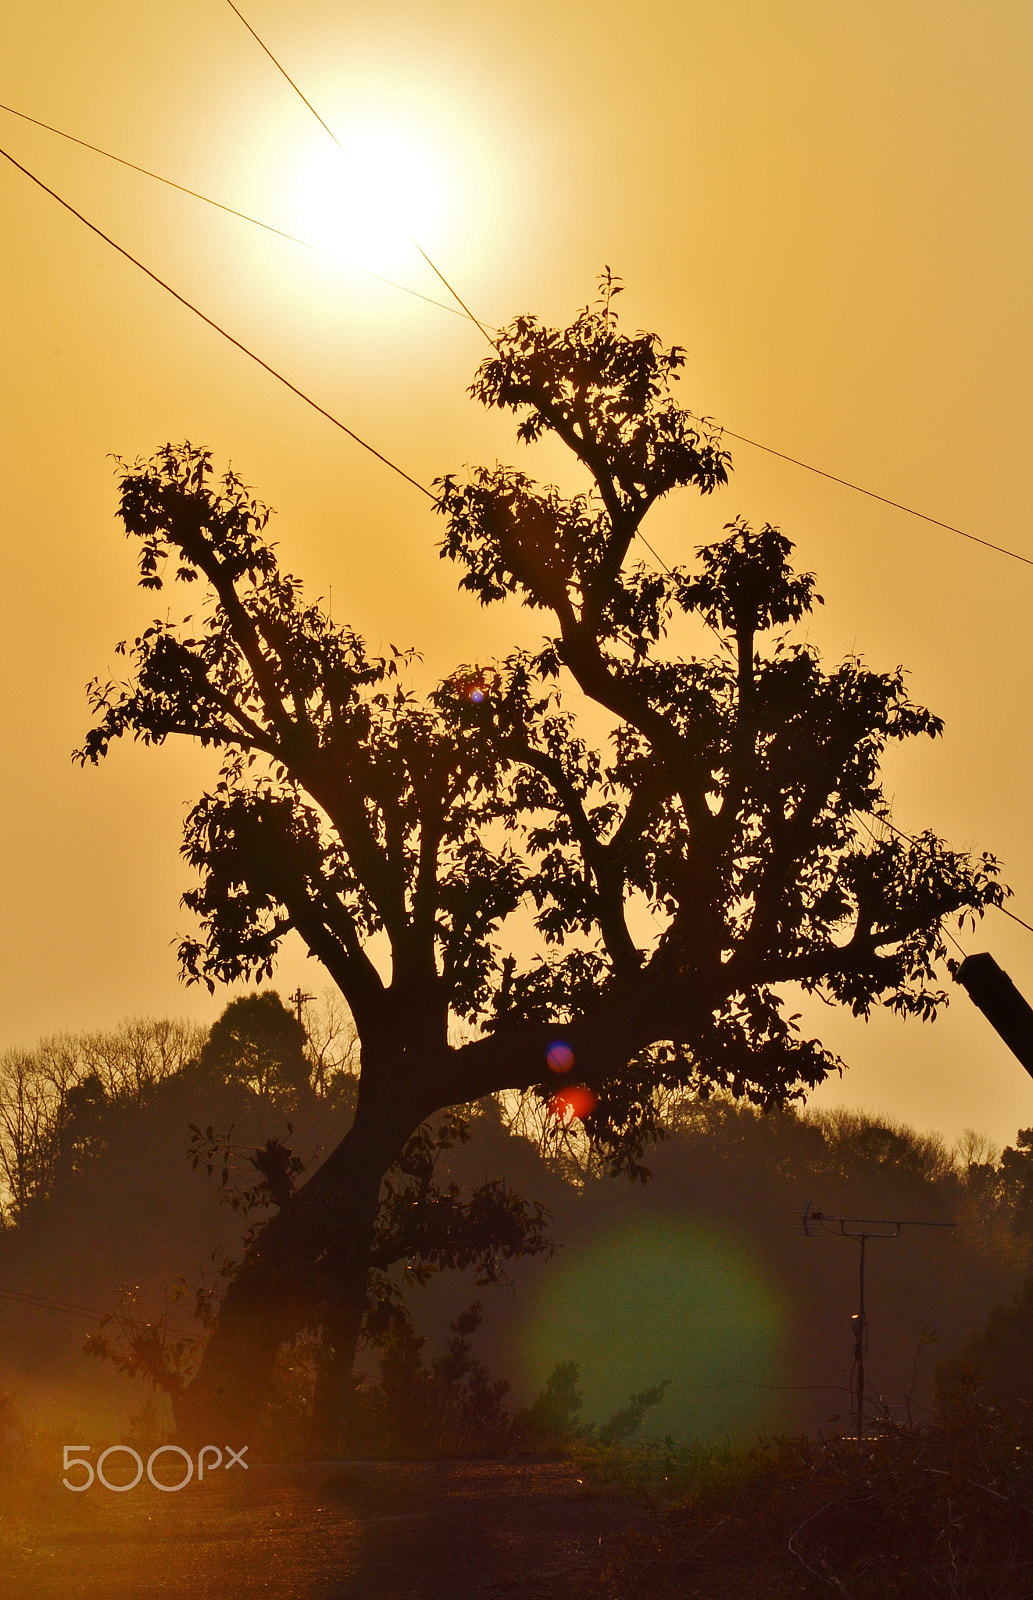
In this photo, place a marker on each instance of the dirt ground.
(465, 1530)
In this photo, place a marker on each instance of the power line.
(875, 841)
(454, 293)
(39, 1303)
(918, 844)
(231, 211)
(1015, 918)
(886, 501)
(326, 127)
(463, 309)
(283, 71)
(279, 376)
(870, 493)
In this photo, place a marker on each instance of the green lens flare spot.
(664, 1299)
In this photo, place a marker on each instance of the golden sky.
(829, 206)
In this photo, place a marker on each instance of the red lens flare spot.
(571, 1104)
(560, 1057)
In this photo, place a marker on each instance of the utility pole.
(299, 1000)
(862, 1229)
(1003, 1006)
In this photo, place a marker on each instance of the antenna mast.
(861, 1229)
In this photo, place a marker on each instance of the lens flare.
(560, 1057)
(474, 684)
(573, 1104)
(657, 1298)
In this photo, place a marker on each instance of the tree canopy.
(258, 1042)
(730, 837)
(732, 799)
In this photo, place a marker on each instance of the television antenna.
(861, 1229)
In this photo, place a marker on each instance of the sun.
(368, 198)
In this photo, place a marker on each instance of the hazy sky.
(829, 206)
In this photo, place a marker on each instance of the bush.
(995, 1362)
(449, 1407)
(910, 1515)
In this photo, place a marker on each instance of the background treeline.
(702, 1277)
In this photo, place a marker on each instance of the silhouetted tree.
(994, 1362)
(737, 806)
(259, 1043)
(54, 1098)
(1008, 1181)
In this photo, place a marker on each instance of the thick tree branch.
(600, 859)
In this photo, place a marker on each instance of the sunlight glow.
(364, 204)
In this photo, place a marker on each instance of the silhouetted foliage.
(428, 1225)
(56, 1100)
(1008, 1182)
(140, 1346)
(136, 1215)
(738, 800)
(994, 1363)
(258, 1042)
(452, 1405)
(912, 1514)
(555, 1414)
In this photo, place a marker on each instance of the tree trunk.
(335, 1391)
(308, 1266)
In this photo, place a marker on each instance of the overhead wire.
(65, 1308)
(461, 309)
(327, 128)
(246, 350)
(898, 505)
(819, 471)
(465, 310)
(244, 216)
(1022, 924)
(283, 70)
(451, 289)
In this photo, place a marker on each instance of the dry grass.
(910, 1515)
(914, 1514)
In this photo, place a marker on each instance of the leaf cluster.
(727, 838)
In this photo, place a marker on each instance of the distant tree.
(26, 1134)
(995, 1359)
(332, 1047)
(53, 1098)
(1012, 1182)
(994, 1362)
(737, 807)
(259, 1043)
(1003, 1181)
(78, 1131)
